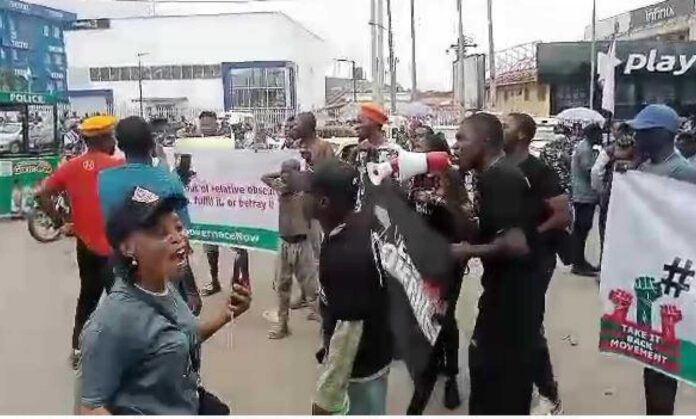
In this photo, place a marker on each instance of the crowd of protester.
(137, 331)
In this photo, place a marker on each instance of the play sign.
(678, 65)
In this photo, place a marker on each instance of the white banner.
(228, 203)
(648, 288)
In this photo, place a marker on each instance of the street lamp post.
(593, 54)
(355, 81)
(140, 81)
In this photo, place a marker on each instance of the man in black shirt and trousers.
(502, 349)
(552, 214)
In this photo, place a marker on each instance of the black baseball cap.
(139, 211)
(335, 179)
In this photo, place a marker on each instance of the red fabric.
(79, 178)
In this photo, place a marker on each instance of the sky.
(344, 25)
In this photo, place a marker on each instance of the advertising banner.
(18, 179)
(228, 203)
(649, 304)
(660, 12)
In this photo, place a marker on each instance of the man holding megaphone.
(501, 360)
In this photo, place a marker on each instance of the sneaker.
(211, 289)
(75, 359)
(278, 332)
(583, 271)
(452, 398)
(547, 407)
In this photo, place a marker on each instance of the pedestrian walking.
(505, 339)
(355, 319)
(141, 348)
(441, 198)
(136, 141)
(78, 178)
(656, 127)
(296, 256)
(584, 198)
(552, 214)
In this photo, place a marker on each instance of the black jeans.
(584, 216)
(444, 357)
(543, 370)
(240, 272)
(95, 273)
(501, 381)
(660, 393)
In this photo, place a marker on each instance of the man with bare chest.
(296, 256)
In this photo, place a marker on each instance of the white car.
(11, 138)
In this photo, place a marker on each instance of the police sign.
(30, 98)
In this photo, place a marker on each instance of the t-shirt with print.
(512, 300)
(137, 354)
(352, 290)
(79, 178)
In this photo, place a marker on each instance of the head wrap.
(374, 112)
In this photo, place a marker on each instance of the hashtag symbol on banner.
(677, 279)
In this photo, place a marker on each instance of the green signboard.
(18, 178)
(27, 98)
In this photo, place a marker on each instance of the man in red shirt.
(78, 178)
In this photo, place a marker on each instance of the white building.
(262, 62)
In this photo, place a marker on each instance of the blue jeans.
(368, 398)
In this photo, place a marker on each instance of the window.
(186, 72)
(198, 72)
(94, 74)
(58, 59)
(133, 73)
(260, 87)
(124, 73)
(104, 74)
(208, 71)
(176, 72)
(146, 73)
(46, 31)
(113, 74)
(217, 71)
(56, 32)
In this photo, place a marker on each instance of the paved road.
(39, 286)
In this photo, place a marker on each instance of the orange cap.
(97, 125)
(374, 112)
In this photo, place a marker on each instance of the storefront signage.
(656, 13)
(32, 166)
(13, 43)
(88, 24)
(666, 63)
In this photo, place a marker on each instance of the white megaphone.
(408, 165)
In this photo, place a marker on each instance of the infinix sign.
(678, 65)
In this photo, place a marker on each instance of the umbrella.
(584, 116)
(415, 109)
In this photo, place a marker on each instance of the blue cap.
(656, 116)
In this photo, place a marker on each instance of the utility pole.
(392, 61)
(140, 81)
(354, 77)
(414, 81)
(491, 57)
(373, 38)
(593, 49)
(380, 51)
(461, 51)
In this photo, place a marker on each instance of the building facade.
(671, 20)
(265, 63)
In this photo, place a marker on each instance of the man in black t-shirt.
(551, 209)
(355, 317)
(501, 353)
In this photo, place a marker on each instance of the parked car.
(11, 138)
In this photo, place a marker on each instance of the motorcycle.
(44, 229)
